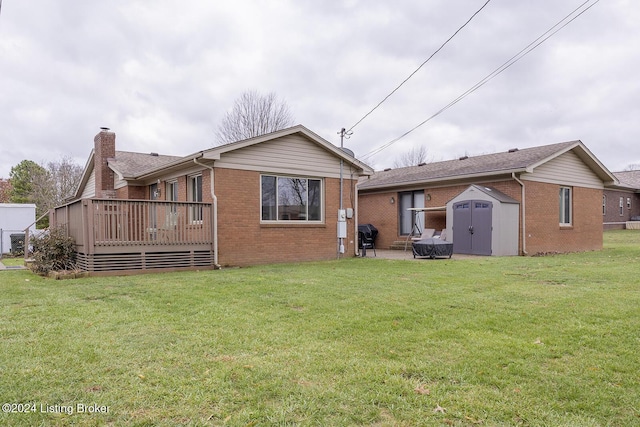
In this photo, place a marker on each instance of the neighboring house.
(621, 201)
(14, 220)
(273, 198)
(558, 189)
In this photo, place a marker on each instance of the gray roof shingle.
(131, 164)
(629, 179)
(478, 165)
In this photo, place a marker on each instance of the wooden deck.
(114, 235)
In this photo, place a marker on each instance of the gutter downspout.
(215, 215)
(356, 246)
(524, 227)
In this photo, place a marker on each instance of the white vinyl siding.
(89, 189)
(566, 169)
(292, 155)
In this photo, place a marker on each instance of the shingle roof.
(135, 164)
(497, 195)
(488, 164)
(629, 179)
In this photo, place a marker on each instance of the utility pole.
(343, 134)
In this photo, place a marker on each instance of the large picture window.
(291, 199)
(565, 206)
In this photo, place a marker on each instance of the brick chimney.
(105, 149)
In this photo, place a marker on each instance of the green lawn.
(535, 341)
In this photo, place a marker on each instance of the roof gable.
(217, 153)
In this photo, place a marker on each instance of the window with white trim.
(565, 206)
(295, 199)
(621, 206)
(628, 202)
(604, 204)
(172, 191)
(195, 195)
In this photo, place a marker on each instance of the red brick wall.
(544, 233)
(613, 208)
(243, 240)
(104, 148)
(133, 192)
(377, 209)
(543, 230)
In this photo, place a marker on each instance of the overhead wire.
(521, 54)
(418, 69)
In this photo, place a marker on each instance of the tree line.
(46, 186)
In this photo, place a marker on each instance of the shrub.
(53, 251)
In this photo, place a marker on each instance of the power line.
(521, 54)
(418, 69)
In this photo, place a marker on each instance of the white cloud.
(162, 74)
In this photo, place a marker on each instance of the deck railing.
(113, 223)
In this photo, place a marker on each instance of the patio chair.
(427, 233)
(167, 230)
(367, 234)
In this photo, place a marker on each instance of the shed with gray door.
(483, 221)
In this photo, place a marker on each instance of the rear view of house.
(549, 198)
(273, 198)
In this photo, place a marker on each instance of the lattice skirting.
(145, 261)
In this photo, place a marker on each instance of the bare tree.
(252, 115)
(632, 167)
(45, 187)
(65, 175)
(413, 157)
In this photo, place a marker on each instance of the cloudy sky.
(161, 74)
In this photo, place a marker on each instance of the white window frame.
(278, 219)
(604, 204)
(628, 202)
(621, 206)
(566, 206)
(195, 213)
(170, 195)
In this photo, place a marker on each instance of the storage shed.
(483, 221)
(14, 219)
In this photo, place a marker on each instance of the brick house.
(273, 198)
(621, 201)
(558, 187)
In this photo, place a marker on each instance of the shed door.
(472, 227)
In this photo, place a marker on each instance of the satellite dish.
(349, 152)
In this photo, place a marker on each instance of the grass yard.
(12, 261)
(512, 341)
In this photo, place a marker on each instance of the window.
(621, 206)
(291, 199)
(171, 195)
(565, 206)
(172, 191)
(628, 202)
(195, 195)
(410, 219)
(604, 204)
